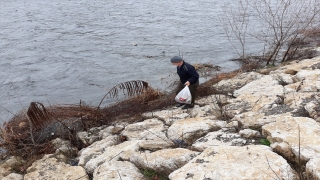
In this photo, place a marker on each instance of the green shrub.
(265, 142)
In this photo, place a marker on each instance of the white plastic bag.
(184, 96)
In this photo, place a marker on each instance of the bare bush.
(280, 25)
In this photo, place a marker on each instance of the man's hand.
(187, 83)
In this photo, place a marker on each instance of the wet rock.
(150, 129)
(163, 161)
(117, 170)
(231, 162)
(286, 129)
(192, 128)
(50, 168)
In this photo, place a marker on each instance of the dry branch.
(129, 89)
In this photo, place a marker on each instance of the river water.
(64, 51)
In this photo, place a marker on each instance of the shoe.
(179, 105)
(187, 106)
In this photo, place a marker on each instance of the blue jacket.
(187, 72)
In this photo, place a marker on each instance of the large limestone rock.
(261, 94)
(218, 138)
(313, 168)
(117, 170)
(231, 162)
(96, 149)
(113, 153)
(265, 86)
(299, 99)
(150, 129)
(262, 103)
(190, 129)
(249, 133)
(311, 80)
(286, 129)
(295, 66)
(163, 161)
(229, 85)
(256, 120)
(13, 176)
(50, 168)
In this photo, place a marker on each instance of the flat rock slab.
(163, 161)
(96, 149)
(150, 129)
(190, 129)
(286, 129)
(117, 170)
(113, 153)
(51, 168)
(267, 85)
(229, 85)
(218, 138)
(231, 162)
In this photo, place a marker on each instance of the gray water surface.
(64, 51)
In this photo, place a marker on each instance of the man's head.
(177, 60)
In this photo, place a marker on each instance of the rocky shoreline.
(218, 139)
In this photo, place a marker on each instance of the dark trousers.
(192, 88)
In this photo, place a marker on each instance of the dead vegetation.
(28, 135)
